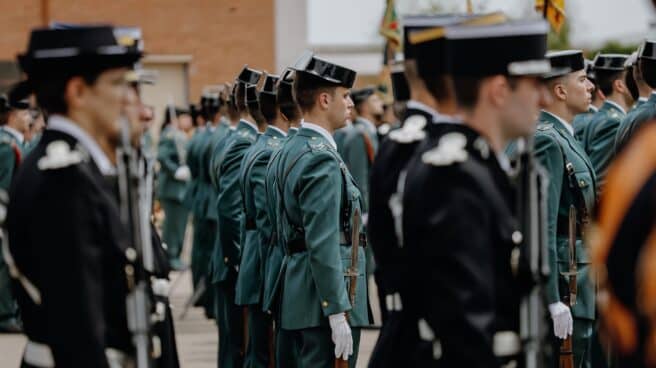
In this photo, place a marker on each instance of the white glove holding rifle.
(341, 335)
(563, 324)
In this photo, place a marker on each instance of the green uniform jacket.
(193, 161)
(256, 229)
(10, 157)
(555, 147)
(601, 138)
(352, 144)
(317, 196)
(633, 120)
(275, 253)
(581, 124)
(215, 144)
(170, 148)
(226, 255)
(206, 194)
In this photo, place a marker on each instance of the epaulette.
(317, 144)
(449, 150)
(58, 156)
(412, 130)
(274, 142)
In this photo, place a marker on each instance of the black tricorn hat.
(308, 63)
(589, 70)
(76, 49)
(270, 86)
(414, 23)
(610, 62)
(400, 87)
(249, 76)
(515, 48)
(565, 62)
(361, 95)
(286, 87)
(647, 50)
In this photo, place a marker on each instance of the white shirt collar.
(437, 117)
(18, 135)
(321, 131)
(284, 134)
(504, 161)
(62, 124)
(250, 124)
(643, 99)
(594, 108)
(616, 105)
(567, 125)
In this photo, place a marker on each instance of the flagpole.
(544, 9)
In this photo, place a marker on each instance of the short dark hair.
(439, 86)
(631, 84)
(240, 97)
(605, 80)
(648, 71)
(307, 87)
(268, 107)
(466, 90)
(49, 91)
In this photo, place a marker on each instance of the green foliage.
(612, 47)
(559, 41)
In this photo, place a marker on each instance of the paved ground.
(197, 337)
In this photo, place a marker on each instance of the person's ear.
(75, 92)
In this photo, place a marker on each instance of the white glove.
(562, 319)
(341, 335)
(182, 173)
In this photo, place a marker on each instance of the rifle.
(566, 352)
(532, 183)
(135, 181)
(352, 272)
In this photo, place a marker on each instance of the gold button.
(225, 259)
(582, 183)
(325, 304)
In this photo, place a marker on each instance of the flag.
(389, 27)
(555, 13)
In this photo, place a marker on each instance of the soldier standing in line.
(14, 122)
(172, 182)
(646, 67)
(284, 354)
(457, 181)
(256, 232)
(75, 267)
(324, 291)
(225, 164)
(599, 138)
(428, 92)
(572, 183)
(582, 120)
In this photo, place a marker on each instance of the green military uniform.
(285, 354)
(633, 120)
(256, 237)
(600, 138)
(358, 144)
(193, 162)
(320, 198)
(10, 157)
(225, 165)
(171, 156)
(556, 148)
(581, 124)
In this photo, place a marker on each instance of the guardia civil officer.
(428, 93)
(324, 290)
(284, 351)
(72, 281)
(582, 120)
(599, 136)
(458, 226)
(638, 116)
(572, 182)
(225, 165)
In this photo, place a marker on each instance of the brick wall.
(221, 35)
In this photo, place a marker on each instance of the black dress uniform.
(73, 288)
(459, 229)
